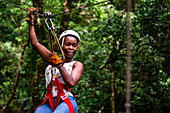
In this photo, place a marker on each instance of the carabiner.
(48, 18)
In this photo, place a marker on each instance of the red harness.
(60, 95)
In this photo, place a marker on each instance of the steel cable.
(20, 7)
(83, 7)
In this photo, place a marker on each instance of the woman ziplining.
(60, 76)
(68, 72)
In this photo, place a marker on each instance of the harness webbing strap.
(49, 96)
(60, 95)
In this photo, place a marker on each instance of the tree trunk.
(66, 17)
(112, 98)
(128, 67)
(41, 65)
(39, 24)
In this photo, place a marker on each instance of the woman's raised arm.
(42, 50)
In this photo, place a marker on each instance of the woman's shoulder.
(78, 63)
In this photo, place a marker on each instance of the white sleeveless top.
(67, 66)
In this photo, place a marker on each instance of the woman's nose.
(70, 47)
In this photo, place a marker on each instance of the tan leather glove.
(55, 60)
(30, 15)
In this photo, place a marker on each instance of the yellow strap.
(55, 75)
(51, 45)
(58, 44)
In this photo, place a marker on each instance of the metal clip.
(47, 14)
(48, 18)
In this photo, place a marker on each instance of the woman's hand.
(30, 15)
(55, 60)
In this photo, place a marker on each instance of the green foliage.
(150, 51)
(102, 52)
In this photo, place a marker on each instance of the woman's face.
(70, 47)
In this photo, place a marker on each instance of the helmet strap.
(62, 44)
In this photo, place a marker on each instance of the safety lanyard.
(52, 35)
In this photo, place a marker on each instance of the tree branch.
(13, 20)
(16, 80)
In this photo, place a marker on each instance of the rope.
(83, 7)
(58, 44)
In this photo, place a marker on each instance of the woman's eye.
(74, 45)
(66, 44)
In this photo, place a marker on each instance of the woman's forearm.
(72, 79)
(42, 50)
(32, 35)
(68, 79)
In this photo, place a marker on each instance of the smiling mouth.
(70, 53)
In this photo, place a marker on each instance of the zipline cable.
(83, 7)
(14, 5)
(20, 7)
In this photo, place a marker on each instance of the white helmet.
(71, 33)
